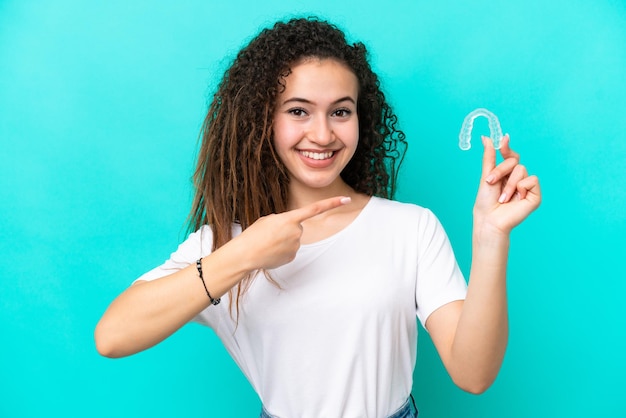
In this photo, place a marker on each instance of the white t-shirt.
(339, 337)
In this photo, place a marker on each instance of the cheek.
(350, 134)
(286, 135)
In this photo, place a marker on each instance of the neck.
(300, 195)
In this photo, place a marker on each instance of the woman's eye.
(297, 112)
(342, 113)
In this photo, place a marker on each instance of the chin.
(317, 183)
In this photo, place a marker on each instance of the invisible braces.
(468, 123)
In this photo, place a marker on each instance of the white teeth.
(317, 155)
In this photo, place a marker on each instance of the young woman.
(320, 276)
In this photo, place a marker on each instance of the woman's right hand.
(274, 240)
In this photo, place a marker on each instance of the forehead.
(321, 77)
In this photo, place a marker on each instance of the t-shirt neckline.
(344, 230)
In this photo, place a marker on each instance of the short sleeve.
(439, 279)
(198, 244)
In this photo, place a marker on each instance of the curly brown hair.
(239, 177)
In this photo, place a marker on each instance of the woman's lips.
(317, 159)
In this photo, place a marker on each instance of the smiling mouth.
(317, 155)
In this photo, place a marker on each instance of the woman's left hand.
(507, 194)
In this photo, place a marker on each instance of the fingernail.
(345, 200)
(490, 178)
(502, 198)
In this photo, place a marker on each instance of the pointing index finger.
(321, 206)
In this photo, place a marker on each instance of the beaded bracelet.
(199, 267)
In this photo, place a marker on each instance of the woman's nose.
(321, 131)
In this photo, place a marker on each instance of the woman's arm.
(471, 336)
(150, 311)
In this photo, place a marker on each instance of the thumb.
(489, 158)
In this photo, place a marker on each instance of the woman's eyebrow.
(307, 101)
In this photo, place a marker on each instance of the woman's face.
(316, 127)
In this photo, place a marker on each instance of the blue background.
(100, 108)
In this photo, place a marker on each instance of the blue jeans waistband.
(408, 410)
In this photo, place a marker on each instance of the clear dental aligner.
(468, 123)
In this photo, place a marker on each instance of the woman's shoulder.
(405, 218)
(403, 214)
(395, 207)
